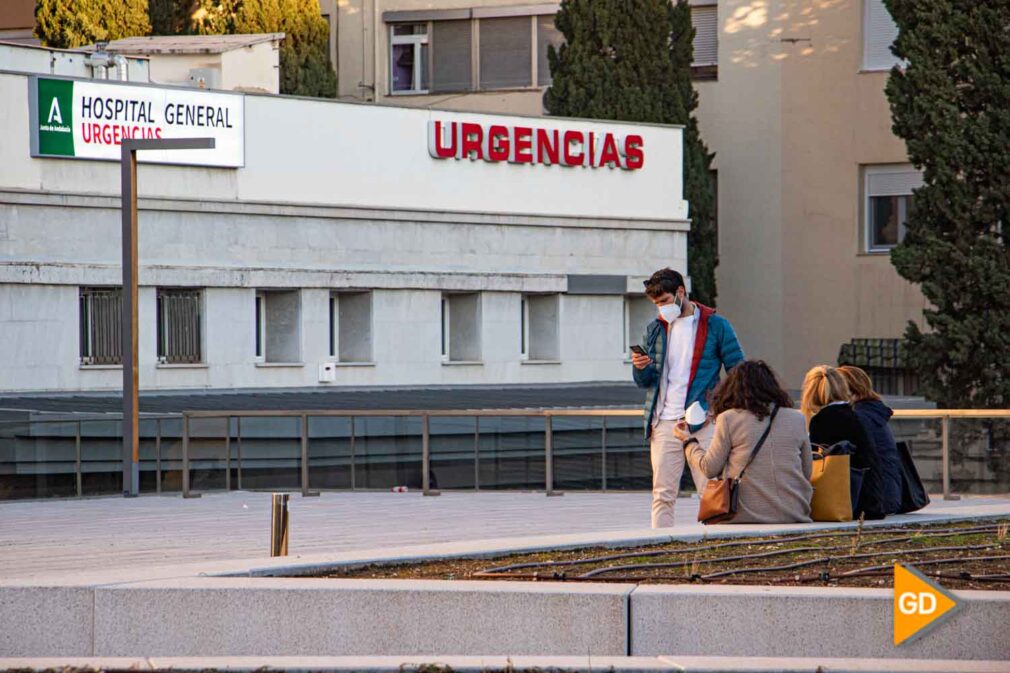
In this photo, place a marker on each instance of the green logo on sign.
(56, 117)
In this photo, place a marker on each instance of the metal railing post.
(185, 459)
(945, 453)
(77, 461)
(305, 458)
(476, 453)
(157, 456)
(238, 449)
(353, 483)
(279, 524)
(227, 454)
(549, 456)
(426, 457)
(603, 454)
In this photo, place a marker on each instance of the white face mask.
(671, 312)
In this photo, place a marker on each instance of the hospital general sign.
(89, 120)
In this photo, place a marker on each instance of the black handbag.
(913, 493)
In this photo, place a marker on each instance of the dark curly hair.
(663, 281)
(752, 386)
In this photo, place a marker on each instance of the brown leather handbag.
(720, 500)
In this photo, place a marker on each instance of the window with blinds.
(451, 56)
(506, 52)
(888, 198)
(437, 55)
(547, 35)
(879, 32)
(705, 20)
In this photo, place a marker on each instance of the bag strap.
(760, 442)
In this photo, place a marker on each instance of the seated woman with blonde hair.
(825, 404)
(776, 486)
(874, 415)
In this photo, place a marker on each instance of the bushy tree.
(65, 24)
(950, 102)
(631, 61)
(304, 57)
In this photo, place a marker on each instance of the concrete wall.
(254, 69)
(328, 617)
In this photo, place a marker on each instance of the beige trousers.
(667, 467)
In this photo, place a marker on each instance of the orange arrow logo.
(918, 604)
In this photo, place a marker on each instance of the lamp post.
(131, 411)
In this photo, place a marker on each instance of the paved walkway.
(41, 538)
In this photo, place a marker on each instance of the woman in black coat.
(874, 415)
(831, 419)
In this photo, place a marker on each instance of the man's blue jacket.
(715, 347)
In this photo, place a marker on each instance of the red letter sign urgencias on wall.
(527, 145)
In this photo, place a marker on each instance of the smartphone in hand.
(639, 350)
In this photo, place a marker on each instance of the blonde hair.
(860, 385)
(821, 386)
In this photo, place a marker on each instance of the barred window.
(101, 311)
(180, 315)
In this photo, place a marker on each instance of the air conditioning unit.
(205, 78)
(327, 372)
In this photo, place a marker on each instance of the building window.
(542, 327)
(888, 198)
(452, 56)
(351, 326)
(408, 58)
(511, 53)
(101, 311)
(461, 318)
(260, 326)
(506, 48)
(639, 311)
(547, 35)
(879, 33)
(278, 326)
(705, 20)
(179, 328)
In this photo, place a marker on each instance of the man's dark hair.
(751, 386)
(663, 281)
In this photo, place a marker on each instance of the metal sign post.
(131, 421)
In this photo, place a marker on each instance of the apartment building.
(813, 187)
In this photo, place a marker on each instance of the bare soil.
(963, 555)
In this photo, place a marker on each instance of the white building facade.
(333, 244)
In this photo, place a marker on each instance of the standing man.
(686, 346)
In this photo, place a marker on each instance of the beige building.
(17, 21)
(813, 186)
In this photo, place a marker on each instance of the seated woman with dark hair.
(776, 485)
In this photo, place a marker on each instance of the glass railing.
(549, 450)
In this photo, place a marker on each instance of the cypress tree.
(950, 102)
(631, 61)
(65, 24)
(304, 53)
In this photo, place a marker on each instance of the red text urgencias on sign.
(527, 145)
